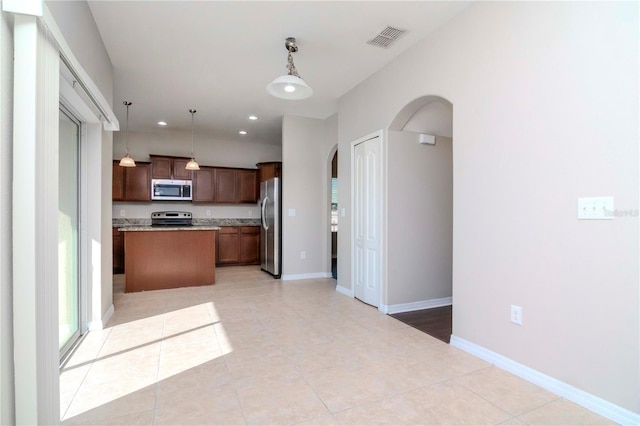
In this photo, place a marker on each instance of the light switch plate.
(292, 212)
(595, 208)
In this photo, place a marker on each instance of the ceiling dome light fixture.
(127, 161)
(290, 86)
(192, 164)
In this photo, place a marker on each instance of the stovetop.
(171, 218)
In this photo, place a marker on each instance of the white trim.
(346, 291)
(85, 81)
(25, 7)
(74, 103)
(306, 276)
(416, 306)
(591, 402)
(35, 223)
(100, 324)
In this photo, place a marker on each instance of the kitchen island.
(169, 257)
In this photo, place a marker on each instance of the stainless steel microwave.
(170, 190)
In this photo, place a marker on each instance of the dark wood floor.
(435, 322)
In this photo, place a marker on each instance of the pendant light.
(126, 160)
(192, 165)
(290, 86)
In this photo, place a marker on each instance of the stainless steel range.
(171, 219)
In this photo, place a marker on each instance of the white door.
(367, 211)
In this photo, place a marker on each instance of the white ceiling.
(218, 56)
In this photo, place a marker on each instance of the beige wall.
(545, 101)
(7, 413)
(419, 218)
(75, 20)
(208, 151)
(306, 146)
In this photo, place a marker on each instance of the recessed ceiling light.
(243, 132)
(253, 117)
(162, 123)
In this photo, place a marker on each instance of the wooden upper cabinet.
(117, 188)
(269, 170)
(236, 186)
(163, 167)
(225, 185)
(247, 186)
(203, 189)
(137, 183)
(213, 185)
(179, 171)
(131, 183)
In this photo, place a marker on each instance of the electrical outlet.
(516, 314)
(122, 213)
(208, 212)
(303, 255)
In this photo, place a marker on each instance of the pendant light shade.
(290, 86)
(192, 164)
(127, 161)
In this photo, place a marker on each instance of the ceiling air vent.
(387, 37)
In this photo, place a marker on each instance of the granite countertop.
(146, 223)
(169, 228)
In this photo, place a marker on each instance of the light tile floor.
(254, 350)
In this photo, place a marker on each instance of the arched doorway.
(333, 213)
(420, 214)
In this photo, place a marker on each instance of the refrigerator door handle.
(264, 215)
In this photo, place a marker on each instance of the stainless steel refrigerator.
(270, 238)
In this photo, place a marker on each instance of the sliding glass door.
(68, 226)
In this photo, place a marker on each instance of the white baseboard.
(591, 402)
(99, 324)
(306, 276)
(416, 306)
(346, 291)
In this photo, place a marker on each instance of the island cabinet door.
(228, 245)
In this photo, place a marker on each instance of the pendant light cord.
(192, 111)
(126, 128)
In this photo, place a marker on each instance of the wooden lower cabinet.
(250, 244)
(238, 245)
(118, 251)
